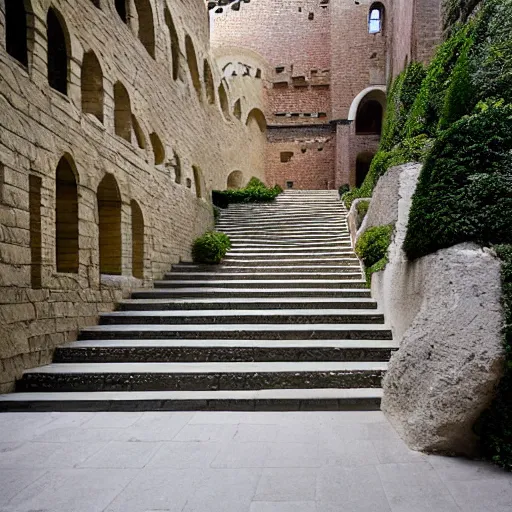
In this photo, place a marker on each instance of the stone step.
(297, 249)
(187, 351)
(257, 400)
(263, 283)
(245, 303)
(271, 241)
(310, 233)
(275, 255)
(68, 377)
(291, 261)
(245, 292)
(331, 222)
(267, 316)
(239, 331)
(350, 273)
(288, 246)
(183, 269)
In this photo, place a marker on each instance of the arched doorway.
(363, 163)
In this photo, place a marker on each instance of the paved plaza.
(231, 462)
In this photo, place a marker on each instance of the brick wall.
(40, 307)
(311, 166)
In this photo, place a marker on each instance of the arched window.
(192, 65)
(158, 148)
(175, 44)
(208, 83)
(257, 117)
(139, 134)
(122, 10)
(146, 25)
(66, 217)
(376, 18)
(235, 180)
(57, 52)
(109, 215)
(137, 241)
(224, 102)
(16, 28)
(92, 86)
(198, 179)
(369, 118)
(237, 109)
(363, 163)
(122, 112)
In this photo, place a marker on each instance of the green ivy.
(372, 247)
(429, 105)
(210, 248)
(496, 423)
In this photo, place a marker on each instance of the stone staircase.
(284, 323)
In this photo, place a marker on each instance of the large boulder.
(445, 313)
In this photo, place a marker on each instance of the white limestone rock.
(445, 312)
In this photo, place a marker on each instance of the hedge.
(372, 247)
(255, 191)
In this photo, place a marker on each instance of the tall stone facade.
(116, 122)
(329, 63)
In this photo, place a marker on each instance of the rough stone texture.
(39, 125)
(444, 310)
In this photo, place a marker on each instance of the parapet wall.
(135, 179)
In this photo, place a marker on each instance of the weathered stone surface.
(445, 312)
(354, 220)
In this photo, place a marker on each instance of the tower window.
(376, 18)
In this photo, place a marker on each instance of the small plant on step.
(211, 247)
(372, 248)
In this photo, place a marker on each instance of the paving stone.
(112, 420)
(185, 455)
(202, 433)
(119, 454)
(294, 455)
(354, 489)
(242, 455)
(486, 495)
(415, 486)
(248, 433)
(13, 481)
(353, 453)
(80, 490)
(285, 506)
(287, 484)
(392, 451)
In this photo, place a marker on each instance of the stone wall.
(169, 124)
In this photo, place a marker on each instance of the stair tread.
(311, 394)
(270, 300)
(244, 312)
(237, 327)
(238, 367)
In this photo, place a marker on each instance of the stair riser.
(169, 306)
(195, 382)
(215, 354)
(256, 284)
(222, 320)
(312, 334)
(256, 294)
(182, 271)
(357, 404)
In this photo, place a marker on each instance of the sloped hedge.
(372, 248)
(464, 191)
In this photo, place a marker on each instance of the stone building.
(329, 62)
(114, 122)
(117, 119)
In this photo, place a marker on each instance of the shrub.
(362, 208)
(496, 423)
(343, 189)
(372, 248)
(216, 213)
(211, 247)
(255, 191)
(464, 189)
